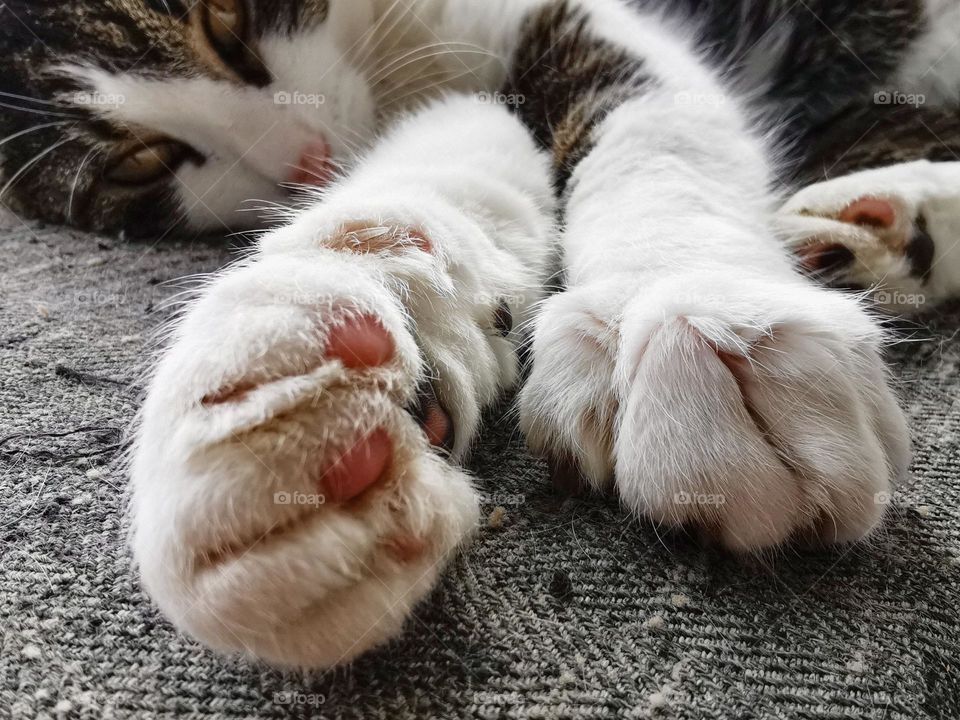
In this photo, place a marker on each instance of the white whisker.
(21, 133)
(30, 163)
(430, 51)
(35, 111)
(76, 181)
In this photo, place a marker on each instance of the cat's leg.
(893, 230)
(289, 499)
(689, 365)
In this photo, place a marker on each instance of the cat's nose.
(313, 166)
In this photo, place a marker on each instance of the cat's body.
(686, 365)
(94, 79)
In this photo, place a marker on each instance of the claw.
(503, 319)
(435, 421)
(566, 475)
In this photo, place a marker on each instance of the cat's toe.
(871, 242)
(890, 232)
(757, 412)
(568, 404)
(287, 502)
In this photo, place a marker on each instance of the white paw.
(288, 498)
(755, 410)
(893, 231)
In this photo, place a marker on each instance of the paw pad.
(360, 343)
(357, 469)
(365, 237)
(871, 212)
(357, 342)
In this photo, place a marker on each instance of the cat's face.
(135, 114)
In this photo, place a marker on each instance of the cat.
(295, 478)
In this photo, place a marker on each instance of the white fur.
(686, 360)
(367, 63)
(933, 65)
(628, 378)
(917, 189)
(204, 478)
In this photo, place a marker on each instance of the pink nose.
(314, 166)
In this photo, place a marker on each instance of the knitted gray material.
(567, 609)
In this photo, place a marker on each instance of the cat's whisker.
(34, 128)
(37, 111)
(397, 95)
(356, 145)
(423, 53)
(426, 82)
(30, 163)
(269, 210)
(76, 180)
(369, 36)
(38, 101)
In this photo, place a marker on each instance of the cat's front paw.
(289, 497)
(755, 411)
(892, 231)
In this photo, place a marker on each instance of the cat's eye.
(225, 23)
(146, 162)
(224, 28)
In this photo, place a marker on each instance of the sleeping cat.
(295, 486)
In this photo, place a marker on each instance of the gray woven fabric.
(567, 610)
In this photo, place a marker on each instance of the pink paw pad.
(359, 468)
(870, 212)
(360, 342)
(369, 237)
